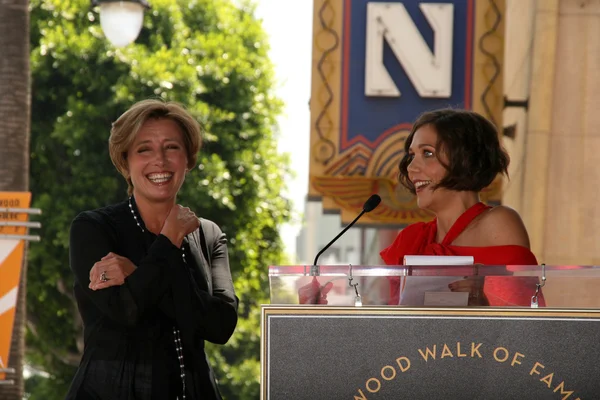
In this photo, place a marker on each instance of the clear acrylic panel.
(472, 285)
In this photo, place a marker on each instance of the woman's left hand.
(473, 285)
(314, 293)
(111, 270)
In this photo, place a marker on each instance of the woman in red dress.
(450, 156)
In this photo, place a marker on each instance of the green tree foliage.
(210, 55)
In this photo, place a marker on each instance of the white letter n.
(430, 73)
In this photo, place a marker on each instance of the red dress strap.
(463, 221)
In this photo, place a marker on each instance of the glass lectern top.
(442, 285)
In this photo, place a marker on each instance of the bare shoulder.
(501, 226)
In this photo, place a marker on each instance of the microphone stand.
(314, 269)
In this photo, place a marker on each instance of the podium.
(357, 346)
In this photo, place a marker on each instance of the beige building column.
(518, 52)
(562, 165)
(539, 124)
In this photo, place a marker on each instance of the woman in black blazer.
(152, 280)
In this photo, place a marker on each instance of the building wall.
(558, 199)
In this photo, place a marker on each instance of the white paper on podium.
(438, 260)
(415, 287)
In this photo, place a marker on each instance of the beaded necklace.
(176, 333)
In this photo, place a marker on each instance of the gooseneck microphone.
(369, 206)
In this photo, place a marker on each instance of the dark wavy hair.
(471, 145)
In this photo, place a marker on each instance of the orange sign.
(11, 260)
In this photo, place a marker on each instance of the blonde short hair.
(126, 127)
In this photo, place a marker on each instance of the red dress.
(419, 239)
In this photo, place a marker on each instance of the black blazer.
(128, 329)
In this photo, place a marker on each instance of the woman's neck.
(154, 214)
(454, 206)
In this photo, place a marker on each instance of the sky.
(289, 26)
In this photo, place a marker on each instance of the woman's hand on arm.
(207, 316)
(180, 222)
(114, 268)
(90, 243)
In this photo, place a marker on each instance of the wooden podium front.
(358, 353)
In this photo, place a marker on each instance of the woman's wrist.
(175, 237)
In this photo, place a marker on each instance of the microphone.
(369, 206)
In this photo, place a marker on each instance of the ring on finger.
(103, 277)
